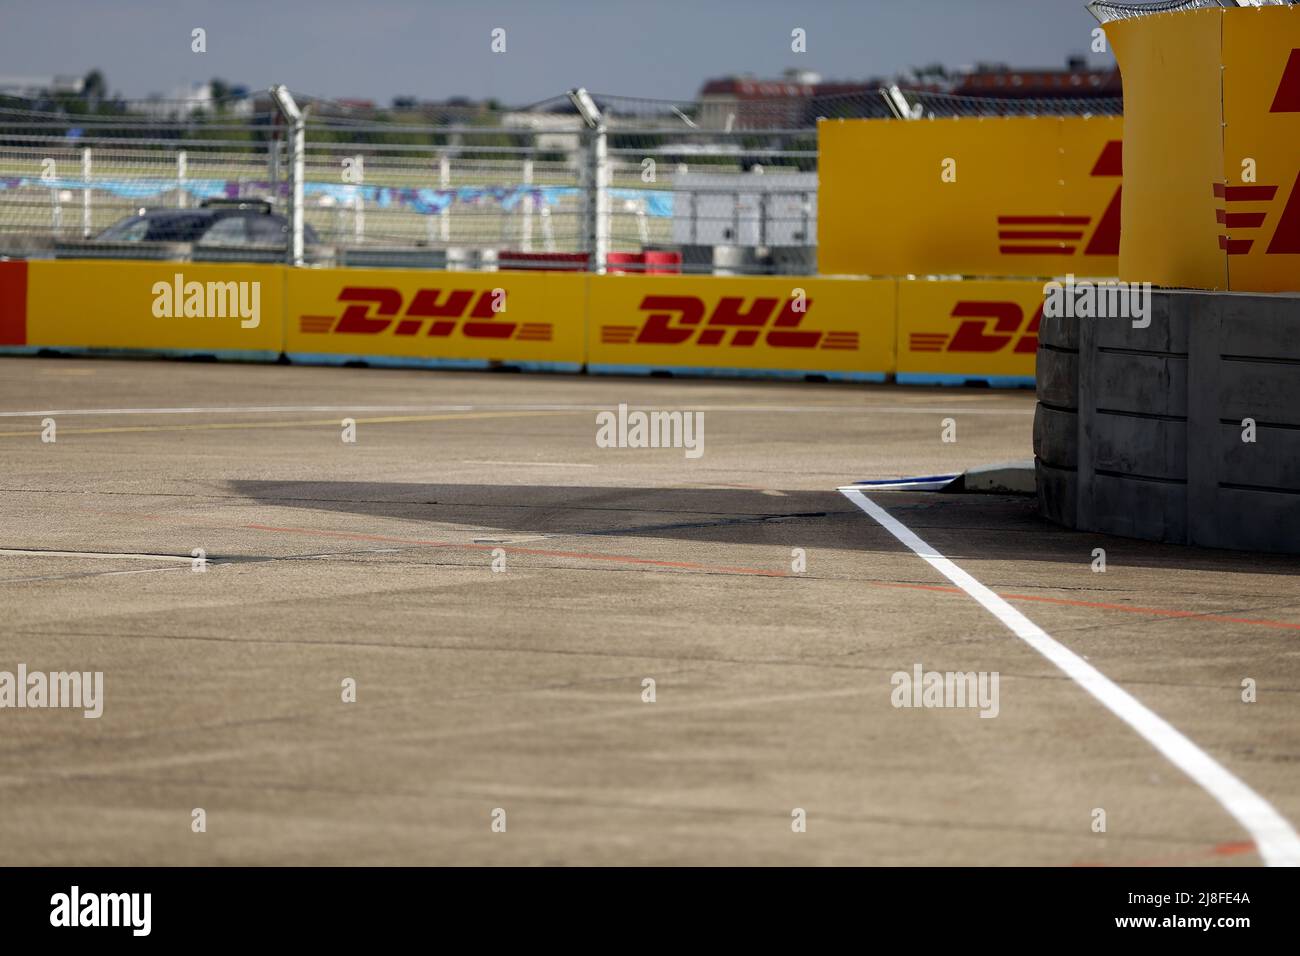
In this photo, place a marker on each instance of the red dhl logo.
(987, 327)
(1059, 235)
(678, 319)
(1286, 234)
(376, 310)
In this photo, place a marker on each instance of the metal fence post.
(595, 181)
(444, 183)
(526, 232)
(85, 194)
(587, 228)
(297, 172)
(273, 169)
(600, 178)
(297, 169)
(359, 201)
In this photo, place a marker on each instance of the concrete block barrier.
(1186, 430)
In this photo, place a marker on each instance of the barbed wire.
(935, 104)
(1107, 11)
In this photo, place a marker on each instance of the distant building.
(185, 101)
(797, 98)
(558, 132)
(31, 87)
(744, 102)
(1076, 80)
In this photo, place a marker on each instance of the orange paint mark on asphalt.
(690, 566)
(1219, 849)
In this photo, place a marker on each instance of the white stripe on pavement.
(1275, 838)
(110, 555)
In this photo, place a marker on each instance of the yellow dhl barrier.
(775, 326)
(447, 319)
(844, 329)
(234, 311)
(1212, 167)
(955, 332)
(970, 196)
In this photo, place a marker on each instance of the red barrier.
(662, 262)
(543, 261)
(13, 303)
(635, 261)
(651, 262)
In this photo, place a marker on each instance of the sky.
(662, 49)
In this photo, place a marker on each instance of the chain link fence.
(66, 178)
(574, 182)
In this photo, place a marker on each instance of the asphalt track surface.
(522, 689)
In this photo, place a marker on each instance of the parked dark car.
(223, 223)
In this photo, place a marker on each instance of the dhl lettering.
(1286, 234)
(356, 318)
(988, 327)
(436, 312)
(659, 328)
(1053, 235)
(971, 336)
(678, 319)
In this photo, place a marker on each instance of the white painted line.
(128, 556)
(1275, 838)
(87, 574)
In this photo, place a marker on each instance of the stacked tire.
(1056, 420)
